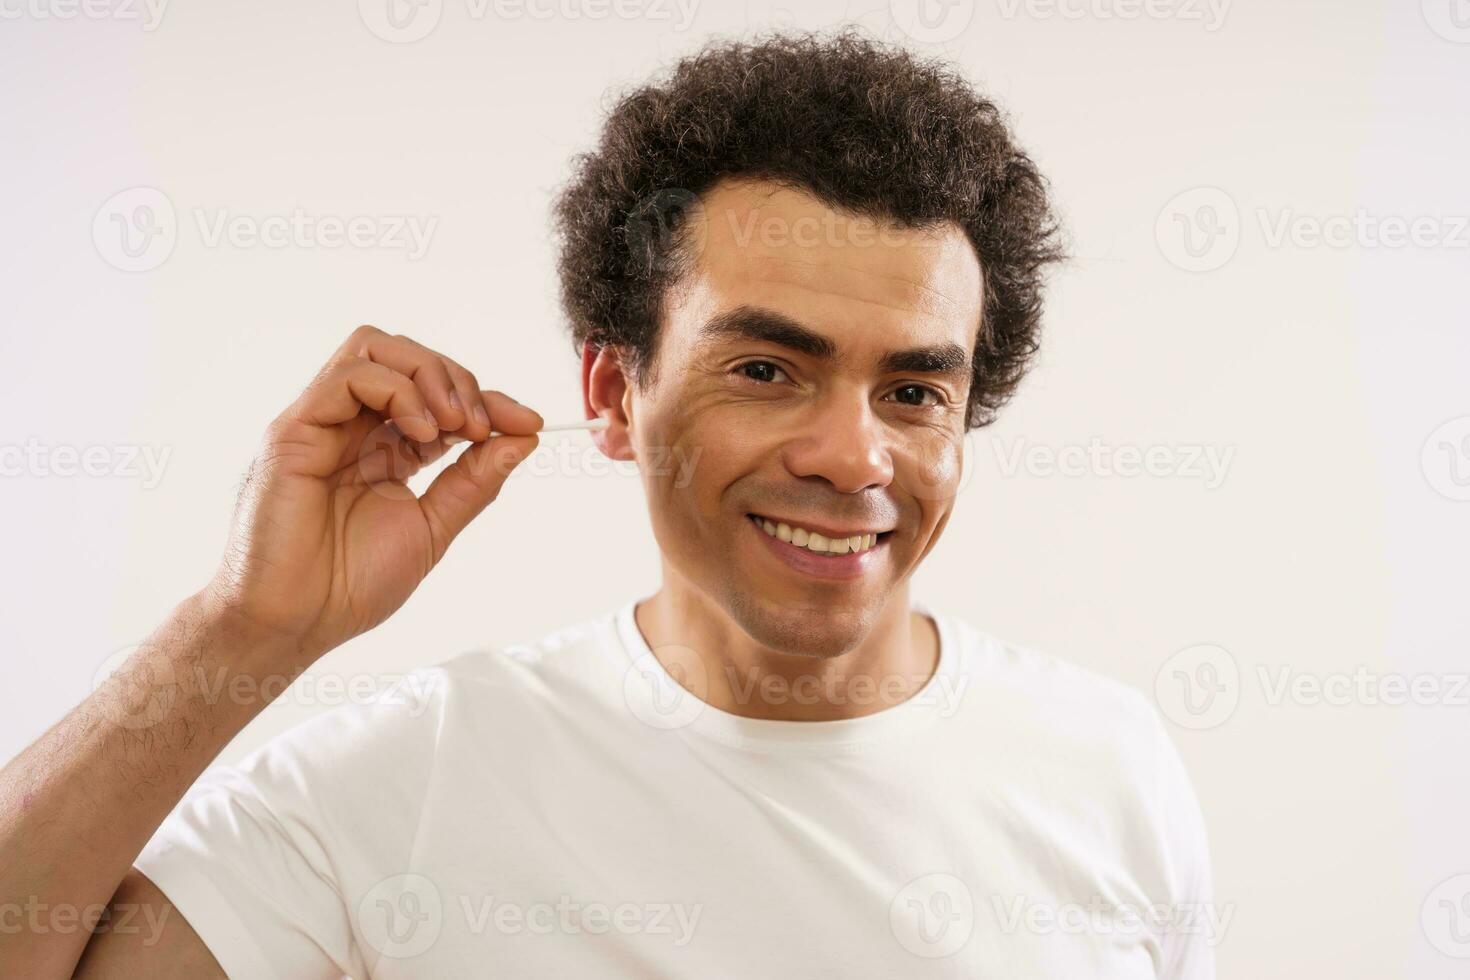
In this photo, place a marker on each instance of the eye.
(914, 395)
(760, 371)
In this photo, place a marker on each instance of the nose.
(843, 442)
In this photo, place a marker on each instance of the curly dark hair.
(866, 128)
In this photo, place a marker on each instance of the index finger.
(509, 416)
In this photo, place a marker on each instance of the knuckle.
(284, 439)
(406, 389)
(336, 370)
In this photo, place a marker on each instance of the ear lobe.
(604, 393)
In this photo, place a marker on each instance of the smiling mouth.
(817, 542)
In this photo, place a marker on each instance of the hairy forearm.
(78, 805)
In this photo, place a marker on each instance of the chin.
(817, 633)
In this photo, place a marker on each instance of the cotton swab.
(591, 424)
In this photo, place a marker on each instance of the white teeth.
(813, 541)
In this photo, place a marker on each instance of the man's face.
(814, 368)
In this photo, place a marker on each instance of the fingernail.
(454, 402)
(430, 416)
(482, 416)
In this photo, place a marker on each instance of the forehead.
(848, 276)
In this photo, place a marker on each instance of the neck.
(699, 643)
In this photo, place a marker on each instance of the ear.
(605, 390)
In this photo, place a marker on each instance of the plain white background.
(1267, 207)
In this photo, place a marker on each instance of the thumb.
(467, 485)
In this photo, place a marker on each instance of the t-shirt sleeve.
(1195, 923)
(263, 859)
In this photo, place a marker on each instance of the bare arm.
(145, 936)
(79, 804)
(327, 543)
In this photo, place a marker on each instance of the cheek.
(685, 464)
(932, 472)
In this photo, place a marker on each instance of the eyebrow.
(756, 323)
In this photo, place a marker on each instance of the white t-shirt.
(567, 809)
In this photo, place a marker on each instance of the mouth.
(820, 540)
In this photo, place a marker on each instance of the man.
(808, 266)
